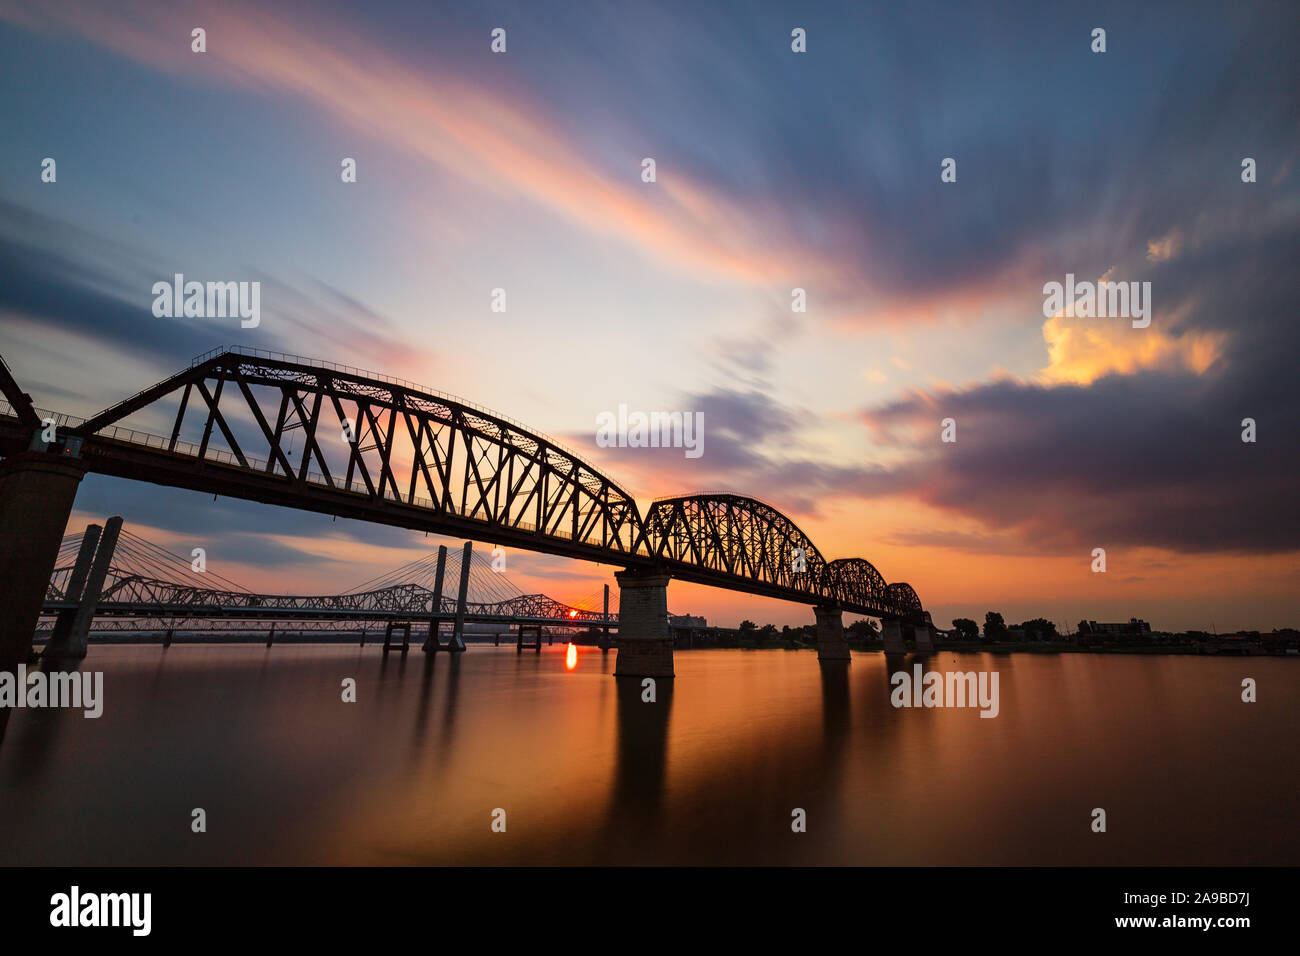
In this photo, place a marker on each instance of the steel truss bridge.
(336, 440)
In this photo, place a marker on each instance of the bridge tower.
(71, 641)
(645, 645)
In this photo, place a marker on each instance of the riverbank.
(1219, 648)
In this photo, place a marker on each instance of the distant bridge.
(147, 582)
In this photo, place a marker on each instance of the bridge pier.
(892, 632)
(924, 638)
(528, 636)
(645, 646)
(390, 642)
(831, 643)
(37, 490)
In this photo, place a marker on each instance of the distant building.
(690, 630)
(1133, 628)
(686, 620)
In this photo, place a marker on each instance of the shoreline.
(1235, 649)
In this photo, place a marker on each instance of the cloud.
(64, 279)
(753, 445)
(1166, 247)
(1081, 350)
(1144, 460)
(499, 141)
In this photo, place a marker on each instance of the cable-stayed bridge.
(147, 588)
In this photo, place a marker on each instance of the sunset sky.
(775, 170)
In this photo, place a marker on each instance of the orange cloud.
(1081, 350)
(1165, 248)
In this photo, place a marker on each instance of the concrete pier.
(892, 632)
(924, 638)
(645, 646)
(831, 643)
(37, 490)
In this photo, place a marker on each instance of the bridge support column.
(603, 641)
(431, 640)
(645, 646)
(76, 584)
(924, 638)
(458, 630)
(36, 494)
(528, 636)
(73, 647)
(892, 632)
(831, 643)
(390, 642)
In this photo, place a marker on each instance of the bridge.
(337, 440)
(147, 588)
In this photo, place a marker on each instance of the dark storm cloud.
(1152, 459)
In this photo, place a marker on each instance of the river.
(416, 770)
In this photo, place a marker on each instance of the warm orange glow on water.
(571, 657)
(610, 778)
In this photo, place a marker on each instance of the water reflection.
(42, 727)
(635, 810)
(711, 772)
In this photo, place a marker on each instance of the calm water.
(587, 773)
